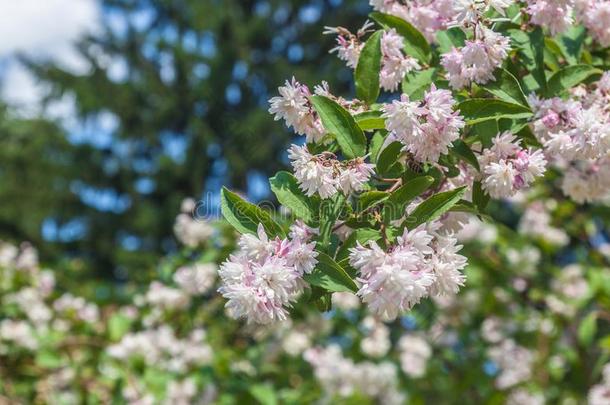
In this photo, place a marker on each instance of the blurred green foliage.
(187, 83)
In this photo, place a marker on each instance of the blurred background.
(113, 111)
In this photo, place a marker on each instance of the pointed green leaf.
(398, 201)
(449, 39)
(507, 88)
(286, 188)
(368, 68)
(416, 83)
(587, 329)
(569, 77)
(339, 122)
(481, 109)
(479, 197)
(370, 120)
(388, 156)
(415, 43)
(330, 276)
(465, 153)
(245, 217)
(434, 207)
(361, 235)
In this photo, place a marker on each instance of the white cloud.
(44, 29)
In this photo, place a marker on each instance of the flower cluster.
(575, 134)
(477, 60)
(599, 393)
(507, 167)
(188, 230)
(426, 128)
(164, 349)
(422, 263)
(414, 354)
(556, 15)
(429, 16)
(536, 222)
(395, 64)
(264, 277)
(323, 174)
(595, 16)
(342, 377)
(515, 363)
(294, 107)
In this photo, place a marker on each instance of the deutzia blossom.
(197, 278)
(294, 107)
(536, 222)
(595, 15)
(414, 354)
(341, 377)
(515, 363)
(349, 45)
(421, 263)
(325, 175)
(477, 60)
(264, 277)
(395, 64)
(508, 168)
(556, 15)
(599, 393)
(190, 230)
(427, 129)
(587, 180)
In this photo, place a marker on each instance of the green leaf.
(370, 120)
(417, 82)
(449, 39)
(48, 359)
(245, 217)
(571, 43)
(330, 276)
(118, 326)
(370, 199)
(507, 88)
(339, 122)
(531, 49)
(479, 197)
(377, 142)
(286, 188)
(464, 152)
(434, 207)
(361, 235)
(415, 43)
(367, 71)
(587, 329)
(388, 156)
(478, 110)
(330, 210)
(569, 77)
(398, 201)
(264, 394)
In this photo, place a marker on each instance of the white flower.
(508, 168)
(414, 355)
(427, 129)
(302, 256)
(197, 278)
(556, 15)
(324, 175)
(293, 106)
(264, 277)
(477, 60)
(421, 263)
(313, 176)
